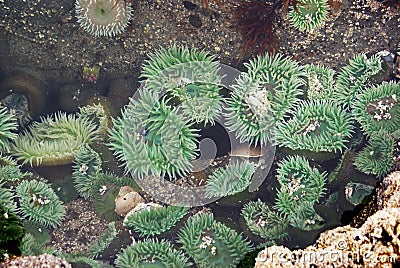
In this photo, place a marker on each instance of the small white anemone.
(103, 17)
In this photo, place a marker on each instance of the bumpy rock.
(375, 244)
(43, 261)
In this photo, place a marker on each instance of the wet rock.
(356, 192)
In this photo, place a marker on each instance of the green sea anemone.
(65, 189)
(39, 203)
(153, 138)
(86, 170)
(8, 127)
(38, 231)
(103, 242)
(18, 105)
(212, 244)
(103, 17)
(188, 75)
(233, 179)
(318, 129)
(11, 232)
(281, 78)
(104, 200)
(306, 218)
(54, 140)
(30, 247)
(319, 82)
(308, 15)
(377, 157)
(154, 221)
(262, 221)
(249, 113)
(96, 113)
(11, 173)
(152, 253)
(378, 109)
(355, 77)
(7, 198)
(299, 183)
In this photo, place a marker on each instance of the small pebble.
(189, 5)
(195, 21)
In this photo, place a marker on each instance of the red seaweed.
(255, 21)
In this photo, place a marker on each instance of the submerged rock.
(357, 192)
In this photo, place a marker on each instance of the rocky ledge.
(376, 243)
